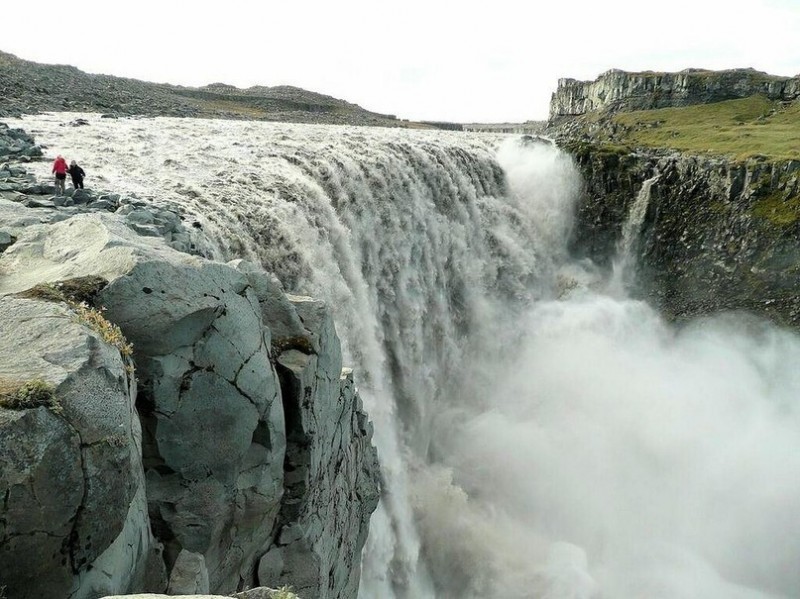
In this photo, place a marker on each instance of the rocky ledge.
(617, 90)
(170, 423)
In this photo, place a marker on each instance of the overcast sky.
(487, 61)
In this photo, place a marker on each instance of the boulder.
(72, 476)
(189, 575)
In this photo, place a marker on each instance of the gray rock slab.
(75, 484)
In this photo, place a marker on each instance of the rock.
(36, 203)
(222, 460)
(75, 501)
(217, 401)
(6, 240)
(324, 527)
(270, 566)
(145, 230)
(153, 596)
(279, 315)
(82, 196)
(139, 217)
(617, 90)
(717, 234)
(189, 575)
(103, 205)
(257, 593)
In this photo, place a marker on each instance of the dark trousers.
(77, 183)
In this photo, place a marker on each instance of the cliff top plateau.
(741, 113)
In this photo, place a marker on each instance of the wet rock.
(6, 241)
(717, 234)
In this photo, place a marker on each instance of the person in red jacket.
(60, 168)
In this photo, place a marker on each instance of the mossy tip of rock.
(77, 290)
(299, 343)
(18, 395)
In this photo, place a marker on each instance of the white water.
(539, 437)
(624, 266)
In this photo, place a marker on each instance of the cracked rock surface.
(73, 518)
(241, 445)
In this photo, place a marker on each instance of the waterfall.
(538, 437)
(624, 265)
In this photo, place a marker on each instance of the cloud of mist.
(619, 457)
(594, 450)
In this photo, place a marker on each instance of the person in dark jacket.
(77, 175)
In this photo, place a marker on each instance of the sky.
(462, 61)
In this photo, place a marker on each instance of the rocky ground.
(28, 87)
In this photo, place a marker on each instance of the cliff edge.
(618, 91)
(171, 423)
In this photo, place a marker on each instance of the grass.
(742, 129)
(77, 293)
(778, 210)
(283, 593)
(108, 331)
(17, 395)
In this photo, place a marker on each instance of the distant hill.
(29, 87)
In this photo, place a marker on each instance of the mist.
(549, 437)
(601, 451)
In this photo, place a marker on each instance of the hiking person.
(77, 175)
(60, 169)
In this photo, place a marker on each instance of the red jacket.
(60, 166)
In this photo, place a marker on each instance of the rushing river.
(541, 434)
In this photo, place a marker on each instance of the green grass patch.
(778, 210)
(745, 128)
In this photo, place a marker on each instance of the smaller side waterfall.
(624, 265)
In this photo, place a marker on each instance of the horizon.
(422, 62)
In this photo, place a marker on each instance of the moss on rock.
(16, 395)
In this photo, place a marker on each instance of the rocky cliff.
(617, 90)
(170, 423)
(717, 234)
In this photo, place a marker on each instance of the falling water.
(539, 438)
(624, 265)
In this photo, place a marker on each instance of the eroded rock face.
(210, 404)
(331, 474)
(617, 90)
(74, 519)
(254, 443)
(717, 235)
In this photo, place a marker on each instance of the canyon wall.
(617, 90)
(717, 234)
